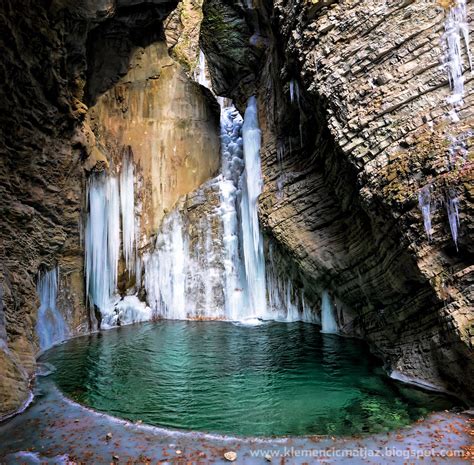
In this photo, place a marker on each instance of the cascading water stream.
(181, 283)
(50, 326)
(232, 166)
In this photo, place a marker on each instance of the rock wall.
(170, 124)
(182, 29)
(353, 109)
(44, 147)
(40, 179)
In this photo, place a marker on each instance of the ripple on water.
(269, 379)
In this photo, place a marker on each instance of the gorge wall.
(352, 99)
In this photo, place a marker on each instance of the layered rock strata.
(352, 99)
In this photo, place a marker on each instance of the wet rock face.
(225, 38)
(344, 160)
(168, 122)
(43, 144)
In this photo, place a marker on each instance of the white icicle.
(50, 325)
(252, 184)
(102, 240)
(452, 206)
(113, 231)
(457, 33)
(424, 201)
(328, 314)
(285, 302)
(127, 204)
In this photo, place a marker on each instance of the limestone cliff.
(169, 123)
(353, 109)
(40, 178)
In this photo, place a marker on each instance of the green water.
(274, 379)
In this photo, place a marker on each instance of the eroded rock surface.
(43, 144)
(170, 124)
(353, 109)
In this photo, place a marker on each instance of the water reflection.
(214, 376)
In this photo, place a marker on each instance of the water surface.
(273, 379)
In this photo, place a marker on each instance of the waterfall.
(252, 238)
(424, 201)
(102, 240)
(200, 269)
(328, 314)
(232, 166)
(127, 204)
(50, 325)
